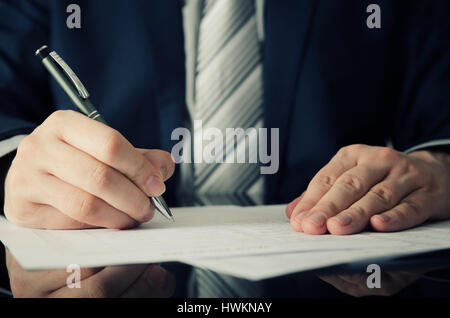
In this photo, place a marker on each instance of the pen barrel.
(93, 114)
(84, 105)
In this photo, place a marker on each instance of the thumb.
(161, 160)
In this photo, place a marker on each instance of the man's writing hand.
(73, 172)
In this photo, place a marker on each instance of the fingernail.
(385, 217)
(318, 219)
(156, 276)
(155, 185)
(344, 219)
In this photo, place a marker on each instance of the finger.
(32, 214)
(347, 189)
(80, 205)
(154, 282)
(100, 180)
(410, 212)
(108, 146)
(161, 160)
(323, 181)
(290, 207)
(381, 197)
(44, 216)
(110, 282)
(45, 210)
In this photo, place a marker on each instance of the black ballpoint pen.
(76, 91)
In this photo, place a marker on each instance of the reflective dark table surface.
(424, 275)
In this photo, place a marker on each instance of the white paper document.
(251, 242)
(258, 267)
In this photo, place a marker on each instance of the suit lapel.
(287, 25)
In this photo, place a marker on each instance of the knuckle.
(357, 147)
(112, 146)
(58, 119)
(358, 211)
(384, 194)
(343, 152)
(400, 215)
(87, 207)
(351, 183)
(326, 206)
(413, 207)
(422, 176)
(26, 146)
(323, 181)
(38, 131)
(403, 162)
(350, 150)
(101, 176)
(304, 205)
(58, 116)
(387, 154)
(413, 170)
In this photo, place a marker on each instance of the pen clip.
(70, 75)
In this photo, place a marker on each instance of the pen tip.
(172, 218)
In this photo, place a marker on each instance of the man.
(336, 87)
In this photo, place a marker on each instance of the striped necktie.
(228, 94)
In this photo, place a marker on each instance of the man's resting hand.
(364, 185)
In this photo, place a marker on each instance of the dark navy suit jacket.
(329, 80)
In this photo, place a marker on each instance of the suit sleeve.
(24, 93)
(422, 120)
